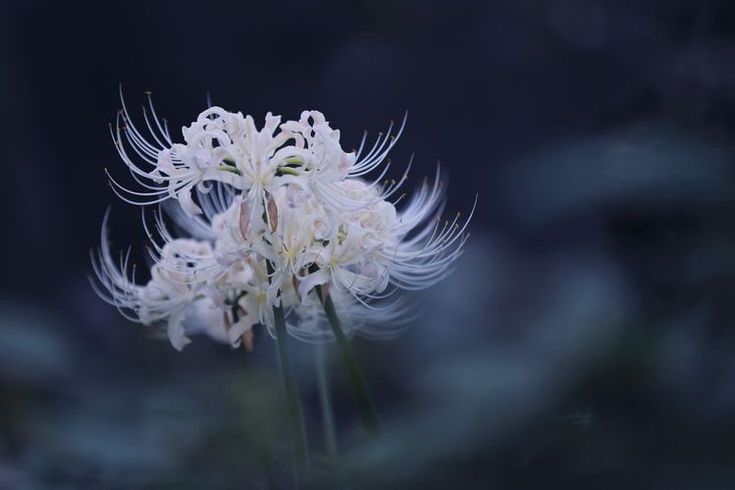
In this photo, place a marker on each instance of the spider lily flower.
(266, 215)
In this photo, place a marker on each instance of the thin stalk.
(292, 397)
(270, 476)
(364, 402)
(325, 403)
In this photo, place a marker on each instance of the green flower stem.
(364, 402)
(267, 462)
(325, 404)
(301, 448)
(292, 397)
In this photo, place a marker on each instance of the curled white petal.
(258, 217)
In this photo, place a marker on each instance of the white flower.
(271, 214)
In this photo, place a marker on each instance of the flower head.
(270, 215)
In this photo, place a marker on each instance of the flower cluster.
(270, 215)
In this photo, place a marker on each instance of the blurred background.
(586, 338)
